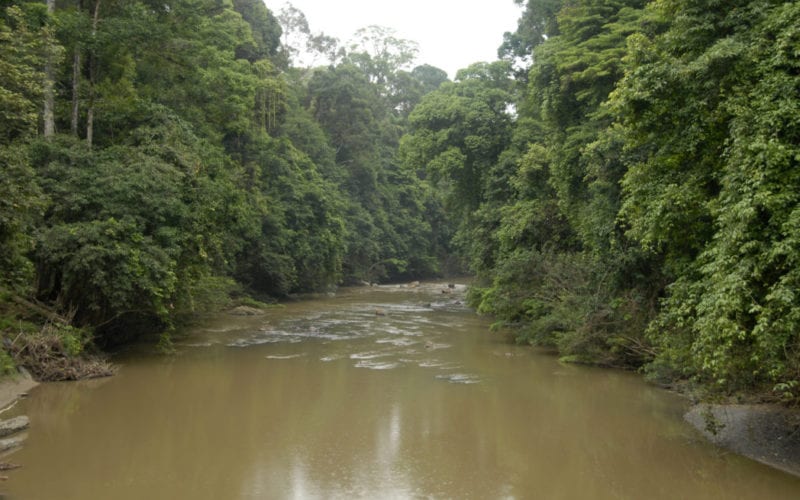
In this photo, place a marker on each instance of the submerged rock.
(459, 378)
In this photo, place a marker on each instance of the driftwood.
(47, 360)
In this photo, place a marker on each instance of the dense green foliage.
(623, 181)
(715, 191)
(191, 161)
(645, 204)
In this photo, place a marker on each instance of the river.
(377, 392)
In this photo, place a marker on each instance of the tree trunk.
(92, 75)
(76, 80)
(48, 114)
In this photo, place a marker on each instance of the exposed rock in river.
(15, 386)
(246, 311)
(11, 443)
(13, 425)
(768, 434)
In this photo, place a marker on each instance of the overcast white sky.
(452, 34)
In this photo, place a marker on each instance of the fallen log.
(41, 310)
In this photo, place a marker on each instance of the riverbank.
(13, 387)
(380, 391)
(768, 434)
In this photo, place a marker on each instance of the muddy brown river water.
(382, 392)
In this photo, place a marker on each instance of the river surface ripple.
(376, 392)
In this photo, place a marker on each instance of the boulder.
(246, 311)
(766, 433)
(13, 425)
(10, 443)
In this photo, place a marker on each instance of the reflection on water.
(382, 392)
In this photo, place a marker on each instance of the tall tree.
(459, 131)
(265, 29)
(48, 115)
(23, 51)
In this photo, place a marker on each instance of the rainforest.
(621, 184)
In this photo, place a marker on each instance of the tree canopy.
(650, 188)
(622, 182)
(189, 159)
